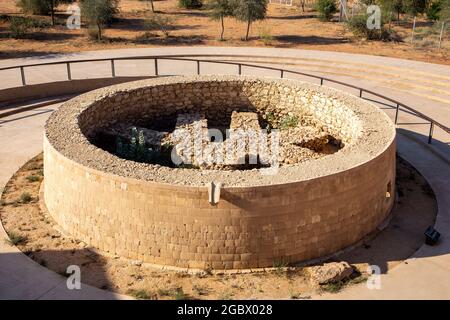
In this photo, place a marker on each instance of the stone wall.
(304, 212)
(218, 99)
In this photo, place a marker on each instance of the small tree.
(41, 7)
(219, 10)
(250, 11)
(415, 7)
(152, 5)
(444, 14)
(326, 9)
(434, 10)
(358, 26)
(37, 7)
(19, 27)
(159, 22)
(389, 7)
(190, 4)
(98, 13)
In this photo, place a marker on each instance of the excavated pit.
(109, 180)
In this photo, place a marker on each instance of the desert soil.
(286, 27)
(37, 235)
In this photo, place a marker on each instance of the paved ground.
(423, 86)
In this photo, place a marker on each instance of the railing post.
(240, 69)
(22, 74)
(69, 74)
(113, 68)
(396, 114)
(360, 93)
(430, 134)
(282, 73)
(321, 81)
(156, 67)
(198, 67)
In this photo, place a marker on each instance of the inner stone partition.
(161, 215)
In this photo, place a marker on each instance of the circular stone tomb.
(164, 214)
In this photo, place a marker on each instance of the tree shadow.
(137, 24)
(402, 235)
(198, 13)
(48, 276)
(151, 38)
(9, 54)
(42, 35)
(294, 17)
(296, 39)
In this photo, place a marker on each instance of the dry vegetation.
(286, 27)
(37, 235)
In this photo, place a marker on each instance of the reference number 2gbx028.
(226, 310)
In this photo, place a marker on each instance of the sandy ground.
(37, 236)
(286, 27)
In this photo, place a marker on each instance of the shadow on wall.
(414, 211)
(21, 278)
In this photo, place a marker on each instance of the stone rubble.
(297, 144)
(331, 272)
(360, 129)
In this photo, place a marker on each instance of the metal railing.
(282, 72)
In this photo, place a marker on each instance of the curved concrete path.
(423, 86)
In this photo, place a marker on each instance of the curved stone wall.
(158, 215)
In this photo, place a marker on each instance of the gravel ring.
(63, 132)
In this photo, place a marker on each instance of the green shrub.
(358, 26)
(415, 7)
(326, 9)
(41, 7)
(219, 9)
(266, 36)
(19, 27)
(40, 23)
(38, 7)
(140, 294)
(160, 23)
(25, 197)
(250, 11)
(98, 13)
(93, 33)
(180, 295)
(288, 122)
(4, 18)
(333, 287)
(135, 149)
(434, 10)
(190, 4)
(33, 178)
(15, 238)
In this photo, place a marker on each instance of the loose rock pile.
(331, 272)
(246, 145)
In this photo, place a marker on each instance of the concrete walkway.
(20, 277)
(425, 87)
